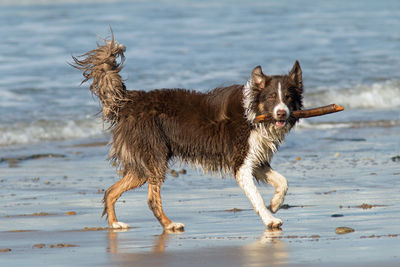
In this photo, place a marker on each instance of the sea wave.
(304, 124)
(49, 130)
(375, 105)
(48, 2)
(382, 95)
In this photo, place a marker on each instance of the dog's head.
(276, 96)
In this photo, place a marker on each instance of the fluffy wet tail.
(102, 66)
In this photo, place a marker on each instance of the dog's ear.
(258, 78)
(296, 75)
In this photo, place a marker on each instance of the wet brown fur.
(150, 128)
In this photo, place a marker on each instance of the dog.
(213, 130)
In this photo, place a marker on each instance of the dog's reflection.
(268, 248)
(159, 241)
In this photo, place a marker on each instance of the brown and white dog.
(214, 130)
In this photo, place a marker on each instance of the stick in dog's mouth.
(305, 113)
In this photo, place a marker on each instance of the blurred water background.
(349, 52)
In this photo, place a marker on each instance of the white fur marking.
(281, 105)
(119, 225)
(246, 182)
(261, 149)
(280, 92)
(248, 99)
(281, 186)
(175, 226)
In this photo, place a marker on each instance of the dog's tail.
(102, 66)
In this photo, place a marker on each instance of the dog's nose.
(281, 114)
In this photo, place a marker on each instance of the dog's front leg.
(278, 181)
(245, 179)
(281, 186)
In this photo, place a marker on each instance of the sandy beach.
(51, 209)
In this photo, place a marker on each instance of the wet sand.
(51, 207)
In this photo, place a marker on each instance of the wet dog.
(214, 130)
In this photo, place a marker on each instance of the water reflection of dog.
(159, 243)
(269, 248)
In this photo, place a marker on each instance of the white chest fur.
(263, 143)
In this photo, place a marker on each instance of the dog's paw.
(275, 223)
(119, 225)
(276, 202)
(175, 228)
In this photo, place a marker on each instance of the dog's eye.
(271, 97)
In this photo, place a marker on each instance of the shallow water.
(349, 54)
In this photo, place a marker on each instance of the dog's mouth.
(279, 124)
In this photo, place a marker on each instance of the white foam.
(118, 225)
(47, 130)
(383, 95)
(305, 124)
(47, 2)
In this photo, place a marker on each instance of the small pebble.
(343, 230)
(39, 246)
(396, 158)
(298, 158)
(234, 210)
(182, 171)
(70, 213)
(337, 154)
(94, 228)
(173, 173)
(66, 246)
(337, 215)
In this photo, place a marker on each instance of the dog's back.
(195, 127)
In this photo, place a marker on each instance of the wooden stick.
(307, 113)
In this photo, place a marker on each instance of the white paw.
(276, 203)
(274, 223)
(120, 225)
(175, 227)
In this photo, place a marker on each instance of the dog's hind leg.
(128, 182)
(244, 177)
(278, 181)
(155, 204)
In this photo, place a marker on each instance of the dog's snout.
(281, 114)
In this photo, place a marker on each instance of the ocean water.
(349, 53)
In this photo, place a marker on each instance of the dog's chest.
(263, 143)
